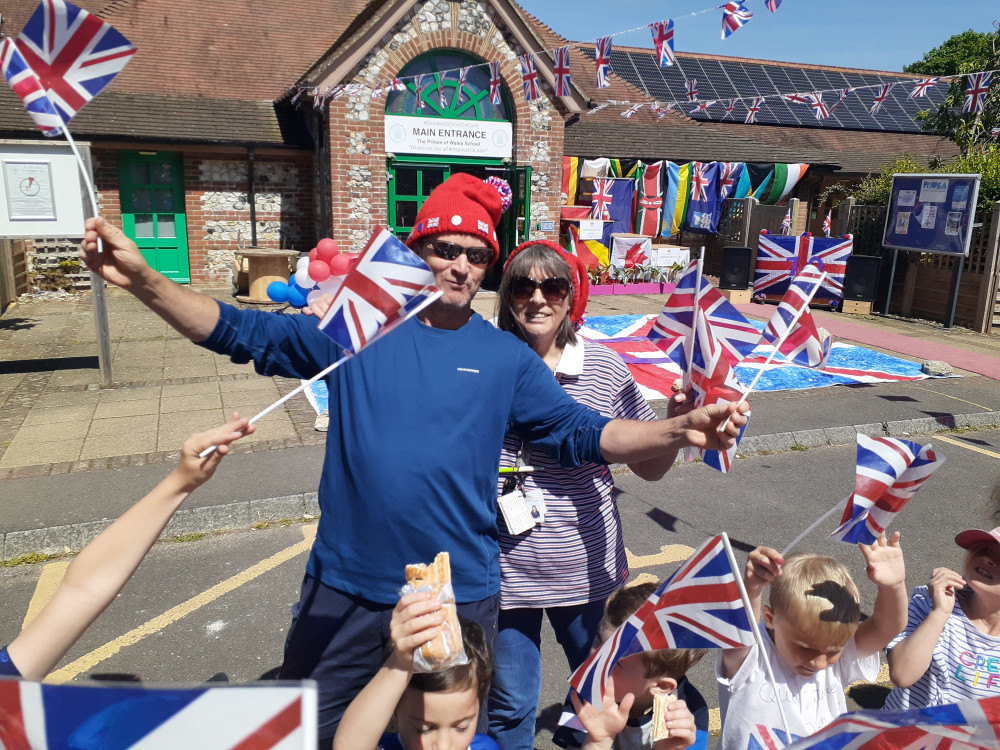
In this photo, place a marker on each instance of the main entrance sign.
(445, 137)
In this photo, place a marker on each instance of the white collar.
(571, 359)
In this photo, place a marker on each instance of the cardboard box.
(856, 307)
(737, 296)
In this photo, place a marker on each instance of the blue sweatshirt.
(412, 452)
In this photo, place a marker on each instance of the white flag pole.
(424, 303)
(777, 346)
(689, 339)
(86, 179)
(838, 507)
(756, 634)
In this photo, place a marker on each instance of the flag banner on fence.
(889, 473)
(754, 181)
(703, 201)
(793, 322)
(271, 716)
(786, 176)
(387, 284)
(699, 606)
(779, 259)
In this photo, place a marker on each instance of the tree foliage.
(874, 189)
(947, 59)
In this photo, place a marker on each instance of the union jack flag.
(753, 110)
(35, 716)
(828, 223)
(786, 223)
(442, 91)
(734, 15)
(74, 54)
(728, 175)
(796, 98)
(600, 206)
(562, 71)
(663, 39)
(397, 85)
(418, 85)
(881, 95)
(730, 105)
(603, 61)
(529, 76)
(29, 89)
(772, 5)
(792, 329)
(661, 110)
(463, 74)
(889, 473)
(699, 606)
(975, 94)
(840, 99)
(495, 82)
(816, 102)
(631, 110)
(692, 89)
(922, 87)
(737, 336)
(703, 107)
(699, 182)
(971, 724)
(780, 258)
(388, 283)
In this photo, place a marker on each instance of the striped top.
(965, 663)
(577, 555)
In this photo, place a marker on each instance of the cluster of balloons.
(321, 273)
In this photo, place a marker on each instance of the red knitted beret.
(578, 275)
(464, 204)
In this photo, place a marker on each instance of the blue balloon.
(278, 291)
(296, 296)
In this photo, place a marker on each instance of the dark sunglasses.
(478, 256)
(553, 288)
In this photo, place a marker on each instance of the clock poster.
(28, 185)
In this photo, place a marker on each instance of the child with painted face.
(813, 642)
(950, 649)
(433, 710)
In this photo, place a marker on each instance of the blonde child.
(100, 571)
(628, 724)
(814, 642)
(433, 711)
(950, 649)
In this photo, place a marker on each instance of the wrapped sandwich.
(444, 649)
(660, 703)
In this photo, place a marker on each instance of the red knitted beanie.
(577, 274)
(463, 204)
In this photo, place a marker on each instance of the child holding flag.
(814, 642)
(104, 566)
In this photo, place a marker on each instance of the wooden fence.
(922, 281)
(13, 271)
(739, 225)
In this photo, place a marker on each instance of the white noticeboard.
(406, 134)
(591, 229)
(43, 192)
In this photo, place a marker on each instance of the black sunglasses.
(554, 289)
(478, 256)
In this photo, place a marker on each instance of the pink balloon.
(313, 254)
(326, 248)
(319, 271)
(340, 264)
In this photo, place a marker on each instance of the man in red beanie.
(416, 424)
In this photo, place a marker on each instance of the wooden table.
(264, 265)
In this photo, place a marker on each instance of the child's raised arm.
(605, 723)
(100, 571)
(415, 620)
(886, 570)
(911, 657)
(763, 566)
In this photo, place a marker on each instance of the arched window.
(472, 103)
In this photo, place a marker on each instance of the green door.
(409, 186)
(152, 196)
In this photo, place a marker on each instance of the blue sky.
(873, 34)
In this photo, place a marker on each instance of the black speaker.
(861, 278)
(735, 268)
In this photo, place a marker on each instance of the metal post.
(251, 197)
(892, 276)
(956, 278)
(101, 324)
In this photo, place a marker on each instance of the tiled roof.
(162, 118)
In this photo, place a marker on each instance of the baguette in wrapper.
(444, 649)
(660, 703)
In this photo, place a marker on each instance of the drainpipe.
(252, 198)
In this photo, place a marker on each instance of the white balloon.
(331, 285)
(302, 277)
(314, 295)
(302, 263)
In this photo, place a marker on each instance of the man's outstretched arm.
(191, 314)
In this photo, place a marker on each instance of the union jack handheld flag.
(603, 61)
(792, 324)
(561, 70)
(786, 223)
(734, 15)
(828, 223)
(889, 473)
(975, 94)
(386, 286)
(772, 5)
(35, 715)
(663, 39)
(29, 89)
(529, 76)
(74, 54)
(699, 606)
